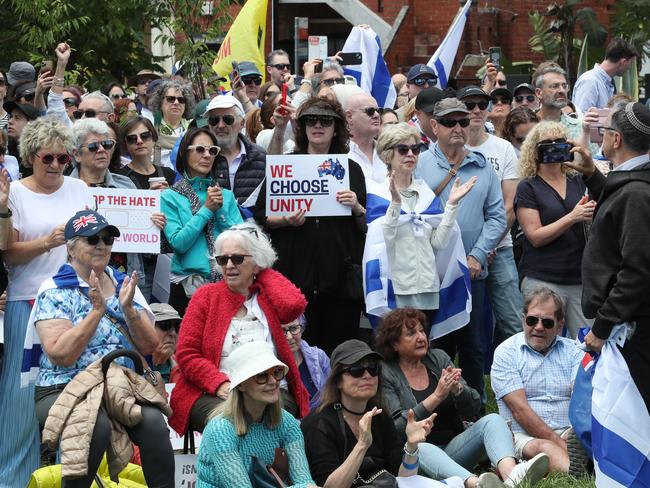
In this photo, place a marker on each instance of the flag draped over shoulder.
(245, 39)
(451, 262)
(620, 421)
(443, 59)
(372, 74)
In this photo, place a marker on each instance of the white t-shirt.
(501, 155)
(36, 215)
(375, 170)
(252, 327)
(11, 165)
(264, 137)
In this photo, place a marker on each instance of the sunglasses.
(451, 123)
(29, 97)
(144, 81)
(424, 81)
(94, 240)
(143, 136)
(501, 100)
(167, 325)
(253, 80)
(108, 144)
(70, 102)
(404, 149)
(236, 259)
(3, 150)
(171, 99)
(358, 371)
(212, 150)
(323, 120)
(117, 96)
(369, 111)
(532, 321)
(277, 373)
(529, 98)
(501, 82)
(281, 66)
(89, 113)
(62, 159)
(552, 141)
(214, 120)
(481, 105)
(333, 81)
(293, 329)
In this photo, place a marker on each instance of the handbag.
(353, 280)
(274, 475)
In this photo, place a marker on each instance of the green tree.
(632, 21)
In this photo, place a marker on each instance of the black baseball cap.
(351, 352)
(87, 223)
(471, 91)
(524, 86)
(428, 98)
(31, 112)
(501, 92)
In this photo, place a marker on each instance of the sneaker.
(580, 464)
(530, 471)
(489, 480)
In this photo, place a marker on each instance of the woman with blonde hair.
(553, 209)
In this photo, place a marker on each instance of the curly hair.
(340, 142)
(390, 329)
(156, 99)
(518, 116)
(43, 132)
(528, 160)
(394, 134)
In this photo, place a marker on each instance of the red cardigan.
(203, 332)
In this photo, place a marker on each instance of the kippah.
(634, 120)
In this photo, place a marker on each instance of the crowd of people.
(261, 333)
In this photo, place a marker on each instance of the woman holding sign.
(322, 255)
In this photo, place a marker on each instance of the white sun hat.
(248, 360)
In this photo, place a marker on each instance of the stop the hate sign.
(310, 182)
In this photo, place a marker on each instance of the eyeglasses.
(333, 81)
(281, 66)
(108, 144)
(89, 113)
(70, 102)
(212, 150)
(167, 325)
(451, 123)
(369, 111)
(171, 99)
(501, 100)
(293, 329)
(501, 82)
(601, 130)
(252, 80)
(117, 96)
(62, 159)
(358, 371)
(323, 120)
(532, 321)
(214, 120)
(94, 240)
(424, 81)
(481, 105)
(528, 98)
(277, 373)
(236, 259)
(143, 136)
(557, 86)
(404, 149)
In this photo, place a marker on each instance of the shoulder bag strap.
(453, 171)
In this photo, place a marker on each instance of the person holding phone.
(554, 211)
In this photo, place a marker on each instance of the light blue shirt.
(547, 380)
(633, 163)
(594, 88)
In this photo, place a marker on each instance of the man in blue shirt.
(595, 87)
(481, 218)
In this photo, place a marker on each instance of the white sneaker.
(531, 471)
(489, 480)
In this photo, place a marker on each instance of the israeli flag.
(443, 59)
(620, 421)
(451, 262)
(372, 75)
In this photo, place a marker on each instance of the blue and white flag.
(443, 59)
(620, 421)
(372, 74)
(451, 262)
(66, 277)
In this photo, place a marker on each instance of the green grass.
(553, 480)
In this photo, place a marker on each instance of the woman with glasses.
(554, 210)
(39, 205)
(424, 380)
(71, 100)
(197, 210)
(248, 305)
(250, 425)
(519, 122)
(84, 312)
(412, 247)
(114, 91)
(501, 99)
(320, 254)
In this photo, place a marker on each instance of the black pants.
(177, 298)
(151, 435)
(636, 353)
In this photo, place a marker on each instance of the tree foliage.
(632, 21)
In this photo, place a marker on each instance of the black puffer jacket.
(249, 174)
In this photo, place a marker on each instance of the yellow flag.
(245, 39)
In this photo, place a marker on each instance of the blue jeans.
(489, 438)
(505, 297)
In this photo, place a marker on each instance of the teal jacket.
(185, 232)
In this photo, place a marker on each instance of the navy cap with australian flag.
(87, 223)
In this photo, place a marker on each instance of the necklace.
(351, 411)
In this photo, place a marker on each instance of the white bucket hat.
(248, 360)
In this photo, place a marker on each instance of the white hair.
(251, 237)
(84, 127)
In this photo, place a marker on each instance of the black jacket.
(250, 172)
(616, 259)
